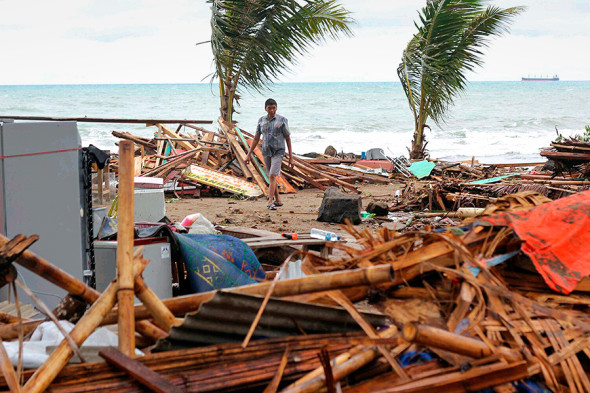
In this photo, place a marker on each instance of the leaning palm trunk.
(254, 41)
(447, 45)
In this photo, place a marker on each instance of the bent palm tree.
(254, 41)
(448, 44)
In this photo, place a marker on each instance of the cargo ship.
(540, 78)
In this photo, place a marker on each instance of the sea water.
(493, 121)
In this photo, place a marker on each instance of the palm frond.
(255, 41)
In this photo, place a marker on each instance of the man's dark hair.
(270, 101)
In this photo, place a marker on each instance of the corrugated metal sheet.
(228, 316)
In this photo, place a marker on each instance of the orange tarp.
(556, 236)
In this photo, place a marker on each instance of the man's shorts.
(272, 164)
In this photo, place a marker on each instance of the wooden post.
(125, 293)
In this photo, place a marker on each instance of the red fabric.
(556, 236)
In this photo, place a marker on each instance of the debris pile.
(192, 157)
(498, 302)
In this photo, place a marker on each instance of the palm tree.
(255, 41)
(449, 42)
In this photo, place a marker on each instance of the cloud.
(151, 41)
(109, 35)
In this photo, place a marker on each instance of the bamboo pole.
(442, 339)
(125, 235)
(8, 370)
(45, 374)
(51, 316)
(317, 283)
(153, 303)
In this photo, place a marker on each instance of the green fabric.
(421, 169)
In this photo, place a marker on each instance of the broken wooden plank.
(138, 371)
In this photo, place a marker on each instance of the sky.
(154, 41)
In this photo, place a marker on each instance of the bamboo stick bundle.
(301, 174)
(299, 182)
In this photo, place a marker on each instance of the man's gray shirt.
(273, 133)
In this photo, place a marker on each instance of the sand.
(298, 214)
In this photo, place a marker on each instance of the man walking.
(275, 132)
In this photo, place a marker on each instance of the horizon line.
(276, 83)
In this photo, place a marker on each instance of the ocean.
(493, 121)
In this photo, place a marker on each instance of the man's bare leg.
(272, 189)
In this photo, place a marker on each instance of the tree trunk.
(417, 152)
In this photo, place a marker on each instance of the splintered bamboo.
(45, 374)
(442, 339)
(359, 357)
(125, 235)
(316, 283)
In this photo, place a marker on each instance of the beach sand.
(298, 214)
